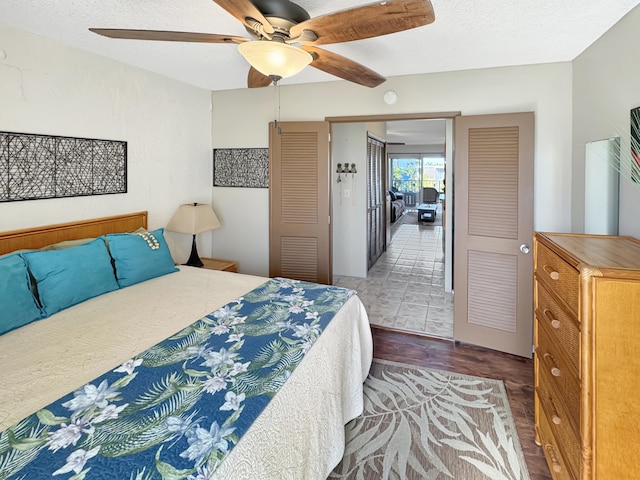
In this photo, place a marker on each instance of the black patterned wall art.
(241, 167)
(44, 166)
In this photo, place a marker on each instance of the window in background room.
(405, 178)
(433, 172)
(410, 174)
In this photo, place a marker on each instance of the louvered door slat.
(299, 178)
(300, 258)
(492, 290)
(493, 182)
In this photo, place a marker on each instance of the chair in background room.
(430, 195)
(427, 209)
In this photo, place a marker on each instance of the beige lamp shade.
(275, 59)
(193, 218)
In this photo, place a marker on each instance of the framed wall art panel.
(241, 167)
(44, 166)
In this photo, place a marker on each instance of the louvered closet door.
(493, 267)
(375, 207)
(299, 208)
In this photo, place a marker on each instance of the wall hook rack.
(346, 168)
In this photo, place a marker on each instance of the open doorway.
(420, 163)
(405, 288)
(478, 203)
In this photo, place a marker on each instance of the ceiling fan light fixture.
(274, 59)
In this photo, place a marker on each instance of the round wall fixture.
(390, 97)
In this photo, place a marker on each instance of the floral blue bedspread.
(177, 409)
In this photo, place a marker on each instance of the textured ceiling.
(466, 34)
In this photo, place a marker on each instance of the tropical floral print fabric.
(177, 409)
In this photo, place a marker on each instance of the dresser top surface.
(597, 250)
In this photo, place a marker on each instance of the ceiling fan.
(285, 36)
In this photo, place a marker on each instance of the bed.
(299, 433)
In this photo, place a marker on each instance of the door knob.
(524, 248)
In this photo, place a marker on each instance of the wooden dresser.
(587, 355)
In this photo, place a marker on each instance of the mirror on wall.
(601, 186)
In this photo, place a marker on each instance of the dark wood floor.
(515, 372)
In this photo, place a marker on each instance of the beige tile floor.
(404, 290)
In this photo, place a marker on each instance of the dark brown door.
(299, 207)
(375, 203)
(493, 267)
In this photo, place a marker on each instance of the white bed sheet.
(300, 435)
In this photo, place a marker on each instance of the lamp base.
(194, 258)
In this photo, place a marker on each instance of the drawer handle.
(555, 417)
(555, 371)
(555, 323)
(556, 467)
(552, 273)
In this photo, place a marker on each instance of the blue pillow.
(140, 256)
(18, 306)
(73, 275)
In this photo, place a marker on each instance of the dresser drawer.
(561, 277)
(564, 427)
(560, 325)
(550, 447)
(561, 378)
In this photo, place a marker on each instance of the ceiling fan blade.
(167, 36)
(255, 79)
(368, 21)
(342, 67)
(243, 9)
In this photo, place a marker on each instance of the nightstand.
(218, 264)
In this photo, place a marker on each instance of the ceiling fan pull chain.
(278, 91)
(276, 104)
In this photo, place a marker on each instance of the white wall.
(415, 149)
(49, 88)
(377, 129)
(240, 119)
(243, 212)
(605, 89)
(349, 145)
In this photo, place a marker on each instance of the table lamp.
(193, 218)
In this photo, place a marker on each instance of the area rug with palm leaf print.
(428, 424)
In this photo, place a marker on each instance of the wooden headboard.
(34, 238)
